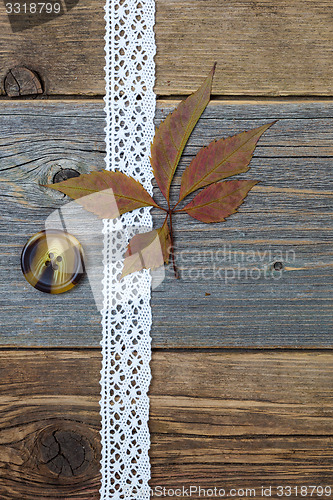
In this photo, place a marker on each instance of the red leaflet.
(106, 194)
(219, 200)
(220, 159)
(148, 250)
(172, 135)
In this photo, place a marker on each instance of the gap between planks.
(247, 99)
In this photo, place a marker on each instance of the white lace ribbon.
(126, 315)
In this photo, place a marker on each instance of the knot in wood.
(64, 174)
(22, 81)
(66, 453)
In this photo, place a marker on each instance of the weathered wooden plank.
(262, 47)
(218, 419)
(229, 294)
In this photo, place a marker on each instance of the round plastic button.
(52, 261)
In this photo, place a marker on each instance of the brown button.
(52, 261)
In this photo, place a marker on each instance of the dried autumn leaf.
(148, 250)
(110, 194)
(218, 201)
(172, 135)
(106, 194)
(221, 159)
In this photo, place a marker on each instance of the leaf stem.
(173, 210)
(164, 209)
(172, 249)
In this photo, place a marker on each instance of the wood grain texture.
(230, 294)
(218, 419)
(262, 47)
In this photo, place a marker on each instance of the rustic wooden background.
(242, 376)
